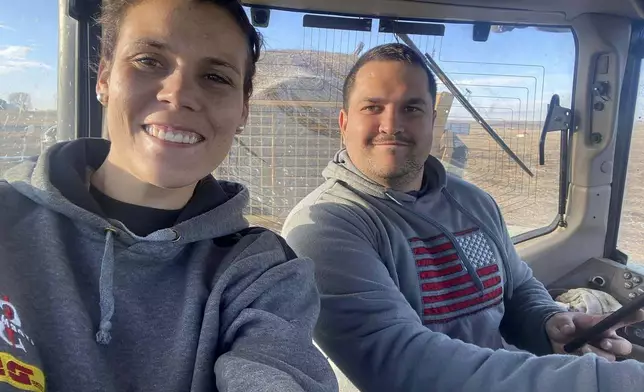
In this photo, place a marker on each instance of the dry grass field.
(21, 134)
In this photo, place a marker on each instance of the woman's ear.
(102, 83)
(245, 112)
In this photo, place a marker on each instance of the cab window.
(28, 79)
(509, 79)
(631, 230)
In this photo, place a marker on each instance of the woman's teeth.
(173, 136)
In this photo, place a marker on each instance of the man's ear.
(102, 81)
(343, 119)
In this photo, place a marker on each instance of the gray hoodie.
(205, 305)
(419, 290)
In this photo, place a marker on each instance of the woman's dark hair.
(113, 12)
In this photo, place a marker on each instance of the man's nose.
(389, 122)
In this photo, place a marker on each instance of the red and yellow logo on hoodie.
(20, 375)
(11, 330)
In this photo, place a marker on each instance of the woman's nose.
(180, 91)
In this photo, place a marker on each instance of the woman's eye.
(148, 62)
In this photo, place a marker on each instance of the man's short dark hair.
(388, 52)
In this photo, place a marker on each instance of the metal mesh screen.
(292, 131)
(282, 153)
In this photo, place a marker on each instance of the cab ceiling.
(548, 12)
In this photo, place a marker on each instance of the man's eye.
(413, 109)
(371, 108)
(218, 79)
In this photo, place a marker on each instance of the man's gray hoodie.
(419, 290)
(205, 305)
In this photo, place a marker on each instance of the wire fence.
(282, 153)
(292, 131)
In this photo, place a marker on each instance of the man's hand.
(563, 327)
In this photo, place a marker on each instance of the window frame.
(89, 114)
(564, 172)
(625, 122)
(559, 219)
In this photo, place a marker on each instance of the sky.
(542, 63)
(29, 50)
(512, 76)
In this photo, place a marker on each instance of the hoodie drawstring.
(504, 257)
(106, 289)
(106, 280)
(389, 195)
(471, 270)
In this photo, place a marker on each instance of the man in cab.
(419, 278)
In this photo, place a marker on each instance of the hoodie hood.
(59, 180)
(343, 170)
(418, 203)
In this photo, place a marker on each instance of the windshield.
(28, 79)
(293, 133)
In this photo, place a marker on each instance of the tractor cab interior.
(540, 103)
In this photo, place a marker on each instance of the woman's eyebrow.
(159, 45)
(146, 42)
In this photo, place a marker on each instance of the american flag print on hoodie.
(447, 288)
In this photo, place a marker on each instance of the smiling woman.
(148, 274)
(160, 91)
